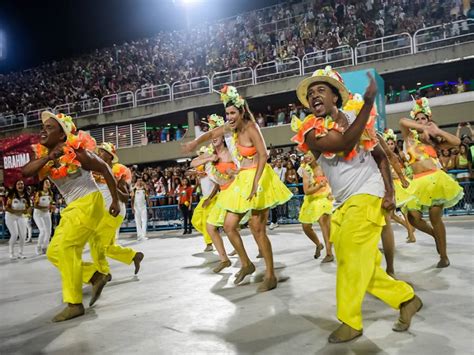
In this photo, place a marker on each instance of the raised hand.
(56, 152)
(371, 89)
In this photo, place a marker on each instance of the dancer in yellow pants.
(109, 225)
(345, 146)
(67, 159)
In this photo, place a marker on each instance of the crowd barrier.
(168, 217)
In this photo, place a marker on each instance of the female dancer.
(18, 204)
(221, 170)
(433, 188)
(317, 206)
(400, 183)
(256, 187)
(43, 205)
(208, 191)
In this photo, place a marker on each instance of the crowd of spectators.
(291, 28)
(447, 88)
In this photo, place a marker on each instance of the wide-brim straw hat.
(326, 75)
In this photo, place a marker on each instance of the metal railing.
(12, 122)
(237, 77)
(279, 25)
(445, 35)
(277, 69)
(383, 48)
(119, 101)
(338, 57)
(33, 118)
(365, 52)
(193, 87)
(153, 94)
(80, 108)
(123, 136)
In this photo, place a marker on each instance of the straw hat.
(64, 121)
(326, 75)
(109, 148)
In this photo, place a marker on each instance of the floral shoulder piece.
(68, 164)
(122, 172)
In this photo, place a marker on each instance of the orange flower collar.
(68, 164)
(322, 126)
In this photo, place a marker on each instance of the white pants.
(17, 227)
(141, 219)
(43, 222)
(29, 229)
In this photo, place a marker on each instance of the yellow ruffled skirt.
(200, 216)
(402, 197)
(433, 189)
(217, 214)
(314, 207)
(271, 192)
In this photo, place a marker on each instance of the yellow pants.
(355, 231)
(79, 221)
(106, 230)
(200, 215)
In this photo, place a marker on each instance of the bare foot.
(71, 311)
(137, 259)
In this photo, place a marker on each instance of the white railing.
(33, 118)
(193, 87)
(366, 51)
(153, 94)
(445, 35)
(123, 136)
(237, 77)
(277, 69)
(119, 101)
(12, 122)
(80, 109)
(383, 48)
(338, 57)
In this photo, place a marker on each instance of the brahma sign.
(15, 152)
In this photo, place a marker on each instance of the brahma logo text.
(15, 161)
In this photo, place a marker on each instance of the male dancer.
(334, 137)
(109, 227)
(67, 159)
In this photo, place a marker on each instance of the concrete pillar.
(191, 126)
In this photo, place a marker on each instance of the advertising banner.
(15, 152)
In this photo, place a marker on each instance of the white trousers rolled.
(141, 219)
(17, 227)
(43, 222)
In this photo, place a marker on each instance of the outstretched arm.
(214, 133)
(92, 162)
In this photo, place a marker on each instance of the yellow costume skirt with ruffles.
(313, 207)
(271, 192)
(217, 214)
(402, 197)
(200, 215)
(433, 188)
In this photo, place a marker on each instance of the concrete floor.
(177, 305)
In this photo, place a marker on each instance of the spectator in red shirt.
(185, 201)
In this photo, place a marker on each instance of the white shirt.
(207, 185)
(360, 175)
(139, 198)
(75, 186)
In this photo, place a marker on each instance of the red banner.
(15, 152)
